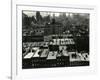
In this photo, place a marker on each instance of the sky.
(33, 13)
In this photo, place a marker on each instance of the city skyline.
(54, 39)
(57, 14)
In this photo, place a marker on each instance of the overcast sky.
(33, 13)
